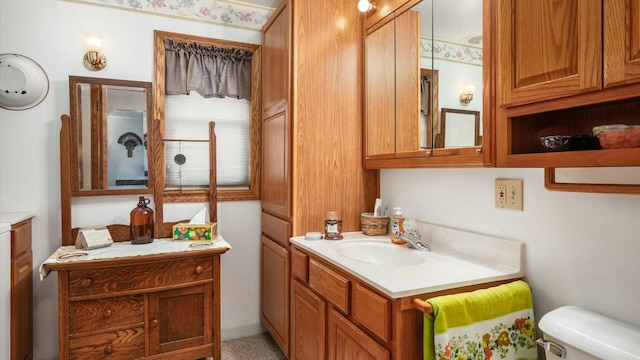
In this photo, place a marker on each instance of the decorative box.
(195, 232)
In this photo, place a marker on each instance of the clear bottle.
(397, 227)
(141, 223)
(333, 225)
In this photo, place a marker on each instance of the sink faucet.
(414, 240)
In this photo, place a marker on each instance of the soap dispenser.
(397, 226)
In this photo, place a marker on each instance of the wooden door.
(308, 316)
(21, 307)
(274, 291)
(548, 49)
(180, 318)
(276, 165)
(346, 341)
(621, 42)
(380, 87)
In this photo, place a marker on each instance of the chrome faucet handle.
(414, 240)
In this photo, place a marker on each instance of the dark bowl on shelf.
(569, 142)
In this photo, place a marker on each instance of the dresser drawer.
(372, 311)
(300, 265)
(277, 229)
(118, 345)
(20, 238)
(329, 284)
(102, 314)
(117, 279)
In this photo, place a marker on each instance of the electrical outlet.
(509, 194)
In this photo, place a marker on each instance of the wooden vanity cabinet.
(563, 75)
(158, 307)
(335, 315)
(311, 139)
(21, 291)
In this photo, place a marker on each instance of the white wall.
(581, 249)
(51, 33)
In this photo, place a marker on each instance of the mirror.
(108, 143)
(459, 128)
(448, 49)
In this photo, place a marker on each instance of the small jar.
(141, 223)
(333, 225)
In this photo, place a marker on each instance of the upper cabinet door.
(549, 49)
(621, 42)
(275, 64)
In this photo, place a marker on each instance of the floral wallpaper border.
(228, 13)
(451, 51)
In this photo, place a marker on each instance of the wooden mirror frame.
(551, 184)
(440, 135)
(98, 140)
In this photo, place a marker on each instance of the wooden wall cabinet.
(311, 139)
(126, 308)
(21, 291)
(564, 68)
(394, 136)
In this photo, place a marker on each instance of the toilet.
(574, 333)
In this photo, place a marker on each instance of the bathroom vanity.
(354, 298)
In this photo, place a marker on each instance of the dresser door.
(180, 319)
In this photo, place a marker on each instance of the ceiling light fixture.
(366, 5)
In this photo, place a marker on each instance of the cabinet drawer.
(372, 311)
(125, 344)
(117, 279)
(300, 265)
(102, 314)
(329, 284)
(20, 238)
(276, 228)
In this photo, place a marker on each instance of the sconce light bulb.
(92, 43)
(365, 5)
(469, 89)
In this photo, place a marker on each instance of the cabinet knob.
(154, 323)
(108, 350)
(198, 269)
(107, 313)
(86, 282)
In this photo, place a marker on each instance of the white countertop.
(4, 227)
(15, 217)
(439, 271)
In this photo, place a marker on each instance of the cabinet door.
(308, 315)
(548, 49)
(346, 341)
(621, 42)
(275, 64)
(274, 291)
(180, 319)
(276, 179)
(21, 307)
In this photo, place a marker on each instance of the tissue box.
(195, 232)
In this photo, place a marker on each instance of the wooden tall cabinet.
(312, 137)
(563, 68)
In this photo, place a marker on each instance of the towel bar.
(422, 305)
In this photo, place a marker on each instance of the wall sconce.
(467, 95)
(94, 59)
(366, 5)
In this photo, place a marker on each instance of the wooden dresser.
(153, 306)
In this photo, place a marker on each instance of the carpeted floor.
(258, 347)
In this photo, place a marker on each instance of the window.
(184, 128)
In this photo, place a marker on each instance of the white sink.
(378, 252)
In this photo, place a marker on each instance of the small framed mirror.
(459, 128)
(109, 150)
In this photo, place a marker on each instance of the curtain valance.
(209, 70)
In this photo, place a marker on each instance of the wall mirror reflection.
(440, 38)
(459, 128)
(109, 124)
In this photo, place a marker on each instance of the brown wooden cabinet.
(311, 138)
(308, 316)
(151, 307)
(21, 291)
(563, 68)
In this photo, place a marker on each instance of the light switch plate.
(509, 194)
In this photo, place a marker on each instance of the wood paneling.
(346, 341)
(372, 311)
(276, 165)
(275, 42)
(22, 306)
(331, 285)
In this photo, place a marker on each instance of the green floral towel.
(493, 323)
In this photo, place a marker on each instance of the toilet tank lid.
(592, 333)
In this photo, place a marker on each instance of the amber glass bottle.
(141, 223)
